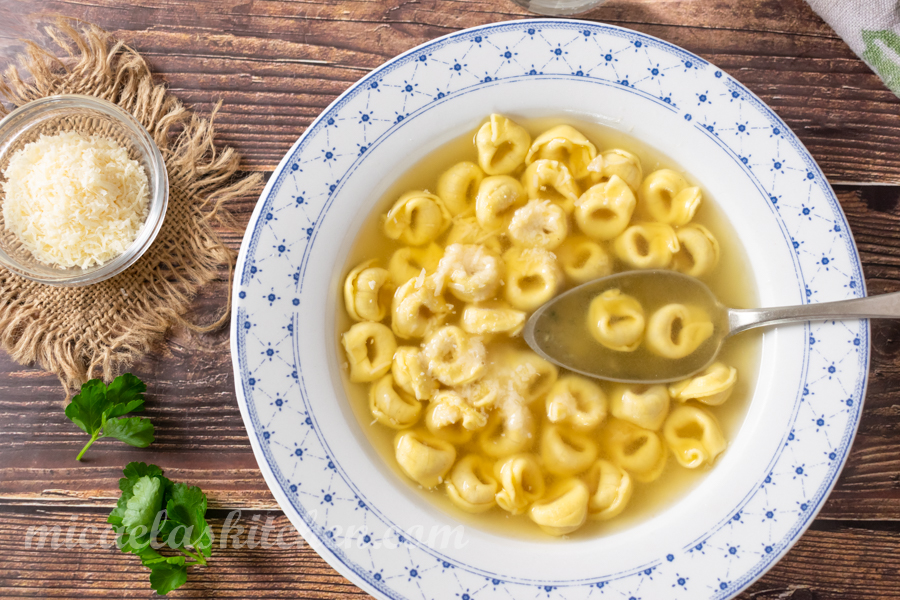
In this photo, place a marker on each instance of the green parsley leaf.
(140, 530)
(96, 408)
(134, 431)
(165, 577)
(143, 506)
(187, 507)
(134, 472)
(126, 389)
(86, 409)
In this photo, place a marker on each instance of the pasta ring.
(666, 197)
(502, 145)
(583, 259)
(458, 187)
(370, 349)
(647, 246)
(532, 277)
(617, 162)
(367, 292)
(699, 252)
(392, 407)
(675, 330)
(551, 180)
(416, 218)
(566, 145)
(693, 436)
(604, 210)
(423, 457)
(616, 320)
(564, 507)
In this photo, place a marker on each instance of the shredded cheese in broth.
(75, 200)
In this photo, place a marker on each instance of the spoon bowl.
(560, 330)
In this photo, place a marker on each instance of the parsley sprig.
(96, 408)
(142, 528)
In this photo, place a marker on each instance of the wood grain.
(837, 562)
(278, 64)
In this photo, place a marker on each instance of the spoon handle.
(883, 306)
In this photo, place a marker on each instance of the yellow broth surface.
(731, 282)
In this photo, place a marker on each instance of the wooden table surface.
(276, 65)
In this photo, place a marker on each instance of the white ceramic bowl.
(354, 510)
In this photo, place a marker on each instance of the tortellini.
(616, 320)
(610, 490)
(676, 330)
(454, 357)
(694, 436)
(647, 246)
(416, 218)
(644, 406)
(604, 210)
(524, 373)
(539, 224)
(521, 482)
(617, 162)
(583, 259)
(502, 145)
(639, 451)
(566, 451)
(367, 292)
(370, 350)
(577, 402)
(391, 406)
(698, 254)
(564, 507)
(451, 418)
(551, 180)
(458, 187)
(532, 277)
(417, 309)
(435, 313)
(666, 197)
(493, 316)
(466, 230)
(507, 432)
(424, 458)
(497, 201)
(472, 485)
(566, 145)
(471, 272)
(712, 386)
(410, 371)
(409, 262)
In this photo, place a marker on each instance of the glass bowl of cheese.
(83, 190)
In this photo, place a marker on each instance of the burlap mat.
(79, 333)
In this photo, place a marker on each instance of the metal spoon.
(559, 332)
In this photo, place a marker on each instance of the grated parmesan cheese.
(74, 200)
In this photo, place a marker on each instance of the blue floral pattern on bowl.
(280, 418)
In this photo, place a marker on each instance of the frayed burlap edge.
(201, 178)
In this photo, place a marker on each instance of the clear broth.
(730, 281)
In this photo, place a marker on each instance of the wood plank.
(836, 562)
(288, 568)
(278, 64)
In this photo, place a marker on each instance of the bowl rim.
(335, 558)
(158, 177)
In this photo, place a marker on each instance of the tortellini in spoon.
(633, 327)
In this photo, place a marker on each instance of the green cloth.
(872, 29)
